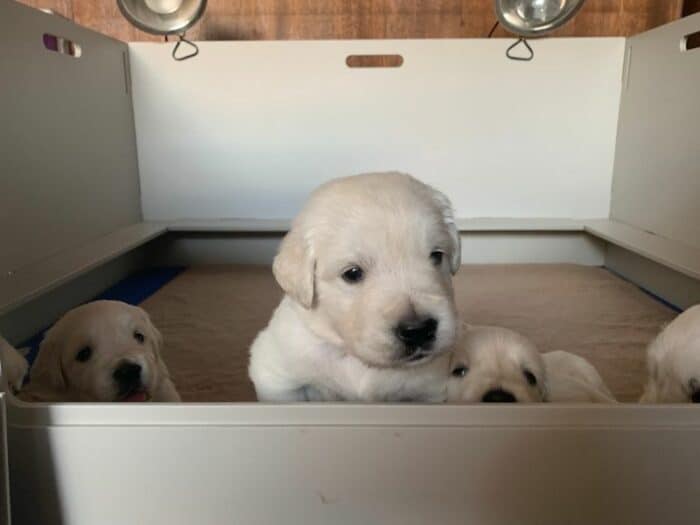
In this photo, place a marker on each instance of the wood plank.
(342, 19)
(61, 7)
(690, 7)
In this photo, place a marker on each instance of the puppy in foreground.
(367, 272)
(101, 351)
(496, 365)
(14, 365)
(673, 362)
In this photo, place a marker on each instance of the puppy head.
(370, 260)
(673, 361)
(101, 351)
(492, 364)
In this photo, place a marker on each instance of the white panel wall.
(68, 170)
(247, 129)
(657, 164)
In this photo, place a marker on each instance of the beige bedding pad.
(210, 315)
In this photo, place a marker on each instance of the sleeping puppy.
(673, 362)
(14, 365)
(497, 365)
(367, 271)
(101, 351)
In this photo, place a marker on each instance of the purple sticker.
(50, 42)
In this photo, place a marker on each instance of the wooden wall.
(315, 19)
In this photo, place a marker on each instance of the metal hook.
(193, 53)
(527, 58)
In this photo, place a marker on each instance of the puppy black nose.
(127, 374)
(417, 332)
(498, 395)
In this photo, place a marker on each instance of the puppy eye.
(139, 336)
(531, 379)
(353, 275)
(459, 371)
(83, 354)
(436, 257)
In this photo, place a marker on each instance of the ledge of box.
(630, 415)
(23, 285)
(241, 225)
(29, 282)
(676, 255)
(473, 224)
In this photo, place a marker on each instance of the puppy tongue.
(136, 397)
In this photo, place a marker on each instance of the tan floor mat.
(210, 315)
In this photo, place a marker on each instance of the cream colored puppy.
(367, 271)
(497, 365)
(14, 365)
(573, 379)
(101, 351)
(673, 362)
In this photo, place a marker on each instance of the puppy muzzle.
(417, 335)
(128, 377)
(498, 395)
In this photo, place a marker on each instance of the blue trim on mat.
(648, 292)
(133, 290)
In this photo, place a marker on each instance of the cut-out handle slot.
(62, 45)
(374, 61)
(691, 41)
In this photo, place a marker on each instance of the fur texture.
(81, 355)
(673, 362)
(14, 365)
(332, 338)
(494, 364)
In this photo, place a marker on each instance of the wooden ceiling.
(321, 19)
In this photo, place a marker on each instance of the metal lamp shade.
(531, 18)
(162, 17)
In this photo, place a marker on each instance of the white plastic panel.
(68, 169)
(4, 466)
(247, 129)
(657, 163)
(354, 464)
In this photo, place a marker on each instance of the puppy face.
(493, 364)
(101, 351)
(370, 259)
(673, 362)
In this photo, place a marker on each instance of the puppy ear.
(294, 267)
(13, 365)
(46, 373)
(448, 218)
(165, 391)
(544, 389)
(153, 333)
(158, 349)
(157, 337)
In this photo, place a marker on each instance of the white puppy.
(14, 365)
(673, 362)
(497, 365)
(366, 269)
(101, 351)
